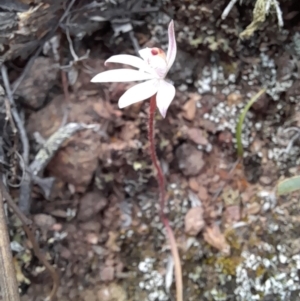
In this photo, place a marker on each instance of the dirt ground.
(100, 226)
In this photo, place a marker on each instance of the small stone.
(190, 108)
(225, 137)
(252, 209)
(44, 221)
(193, 184)
(91, 226)
(57, 227)
(208, 125)
(107, 273)
(261, 103)
(198, 136)
(193, 221)
(65, 253)
(92, 238)
(112, 292)
(190, 159)
(234, 99)
(90, 204)
(265, 180)
(40, 79)
(232, 213)
(202, 193)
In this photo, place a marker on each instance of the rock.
(265, 180)
(208, 125)
(190, 160)
(190, 108)
(90, 205)
(112, 292)
(88, 295)
(129, 131)
(225, 137)
(193, 184)
(91, 226)
(107, 273)
(77, 158)
(193, 221)
(234, 99)
(91, 238)
(44, 221)
(198, 136)
(40, 79)
(261, 103)
(202, 193)
(232, 213)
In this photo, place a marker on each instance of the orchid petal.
(172, 48)
(138, 93)
(164, 97)
(145, 53)
(131, 60)
(157, 63)
(121, 75)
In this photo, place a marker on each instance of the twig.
(25, 186)
(8, 280)
(16, 115)
(228, 8)
(36, 249)
(134, 42)
(164, 219)
(46, 153)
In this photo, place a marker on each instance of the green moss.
(229, 264)
(233, 239)
(260, 271)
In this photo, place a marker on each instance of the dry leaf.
(214, 237)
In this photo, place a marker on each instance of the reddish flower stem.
(162, 195)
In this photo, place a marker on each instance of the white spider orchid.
(153, 67)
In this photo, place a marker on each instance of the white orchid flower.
(153, 67)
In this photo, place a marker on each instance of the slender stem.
(161, 184)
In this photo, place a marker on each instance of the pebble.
(265, 180)
(202, 193)
(190, 160)
(198, 136)
(193, 184)
(194, 221)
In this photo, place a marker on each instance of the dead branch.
(8, 280)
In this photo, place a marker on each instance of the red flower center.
(154, 51)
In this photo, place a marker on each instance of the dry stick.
(164, 219)
(16, 115)
(8, 280)
(25, 186)
(36, 249)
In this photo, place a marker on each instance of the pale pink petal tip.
(164, 97)
(172, 48)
